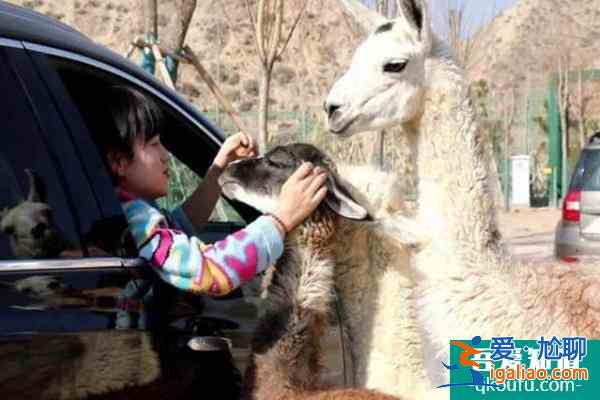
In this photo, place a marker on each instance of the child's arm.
(201, 203)
(190, 265)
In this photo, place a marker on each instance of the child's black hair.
(132, 117)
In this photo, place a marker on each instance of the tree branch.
(254, 25)
(293, 28)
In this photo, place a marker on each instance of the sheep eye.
(395, 67)
(9, 230)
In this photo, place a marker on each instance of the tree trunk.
(506, 168)
(581, 110)
(174, 39)
(563, 93)
(565, 146)
(149, 10)
(263, 108)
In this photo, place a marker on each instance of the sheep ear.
(37, 191)
(341, 202)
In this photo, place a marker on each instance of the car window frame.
(86, 263)
(45, 121)
(28, 266)
(246, 212)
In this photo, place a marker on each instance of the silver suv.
(578, 232)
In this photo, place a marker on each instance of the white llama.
(467, 284)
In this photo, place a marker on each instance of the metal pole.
(554, 188)
(506, 184)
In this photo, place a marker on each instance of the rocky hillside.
(523, 44)
(221, 34)
(518, 55)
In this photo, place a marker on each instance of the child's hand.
(235, 147)
(300, 195)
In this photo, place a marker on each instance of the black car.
(81, 316)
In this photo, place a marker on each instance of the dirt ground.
(529, 232)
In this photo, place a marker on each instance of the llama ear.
(339, 200)
(366, 18)
(37, 190)
(416, 13)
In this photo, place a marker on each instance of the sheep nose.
(331, 108)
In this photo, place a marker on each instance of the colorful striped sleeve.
(188, 264)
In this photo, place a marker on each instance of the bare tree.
(174, 39)
(150, 13)
(509, 112)
(456, 22)
(582, 102)
(563, 105)
(171, 41)
(457, 37)
(271, 42)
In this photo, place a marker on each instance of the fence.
(515, 121)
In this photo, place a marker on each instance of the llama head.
(385, 82)
(258, 181)
(29, 225)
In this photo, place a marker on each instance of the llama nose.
(331, 108)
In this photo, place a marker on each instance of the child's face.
(146, 175)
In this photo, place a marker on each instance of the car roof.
(25, 25)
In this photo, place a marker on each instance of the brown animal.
(286, 352)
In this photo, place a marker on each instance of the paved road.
(529, 233)
(532, 246)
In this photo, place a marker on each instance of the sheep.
(286, 353)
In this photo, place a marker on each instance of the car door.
(58, 303)
(70, 82)
(80, 315)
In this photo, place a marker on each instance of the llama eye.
(278, 159)
(395, 67)
(274, 163)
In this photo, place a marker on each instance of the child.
(138, 163)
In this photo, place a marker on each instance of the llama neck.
(452, 163)
(286, 345)
(304, 273)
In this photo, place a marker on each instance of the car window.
(190, 152)
(183, 183)
(35, 215)
(587, 172)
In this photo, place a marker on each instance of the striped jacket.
(189, 264)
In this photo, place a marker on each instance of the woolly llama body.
(467, 284)
(375, 283)
(299, 291)
(383, 344)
